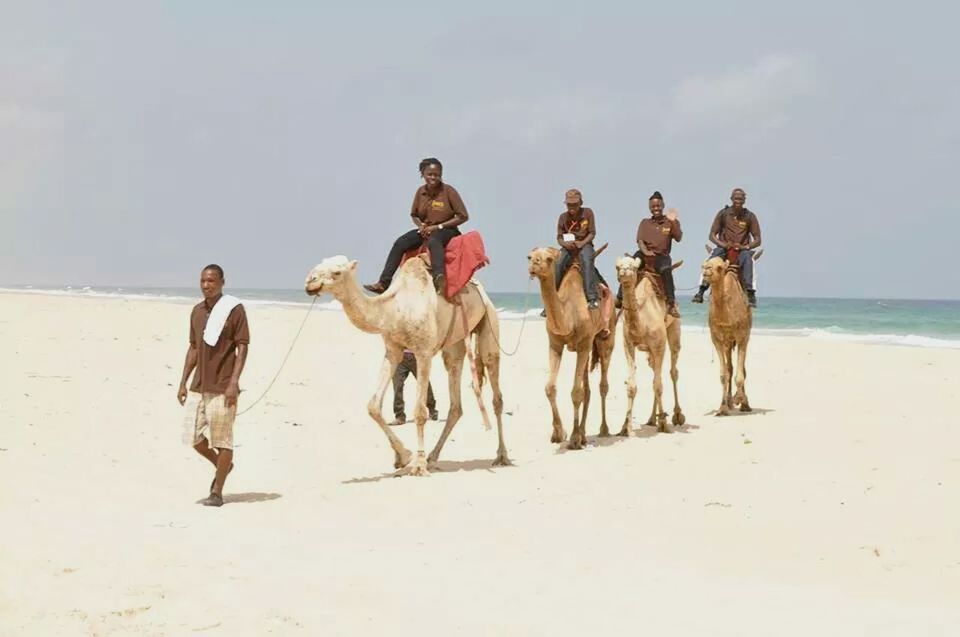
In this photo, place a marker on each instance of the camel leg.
(578, 438)
(673, 339)
(453, 361)
(488, 352)
(631, 354)
(652, 421)
(418, 466)
(656, 363)
(724, 379)
(586, 398)
(741, 397)
(559, 435)
(604, 389)
(729, 362)
(391, 359)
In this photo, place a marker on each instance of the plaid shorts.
(214, 421)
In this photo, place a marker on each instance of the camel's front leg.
(656, 363)
(741, 397)
(391, 359)
(418, 466)
(579, 436)
(453, 361)
(604, 389)
(723, 356)
(673, 339)
(631, 353)
(559, 435)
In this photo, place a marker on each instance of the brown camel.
(411, 315)
(572, 324)
(731, 320)
(648, 327)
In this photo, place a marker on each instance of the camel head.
(329, 275)
(628, 268)
(713, 270)
(542, 261)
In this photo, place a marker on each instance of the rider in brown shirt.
(576, 229)
(437, 211)
(655, 237)
(735, 227)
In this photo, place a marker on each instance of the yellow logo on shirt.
(665, 230)
(742, 224)
(436, 204)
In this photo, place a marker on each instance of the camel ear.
(352, 265)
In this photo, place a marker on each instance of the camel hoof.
(502, 461)
(746, 408)
(723, 411)
(626, 432)
(402, 459)
(415, 468)
(679, 420)
(650, 423)
(558, 436)
(604, 432)
(574, 446)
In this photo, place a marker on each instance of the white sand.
(833, 510)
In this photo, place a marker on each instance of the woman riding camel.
(437, 210)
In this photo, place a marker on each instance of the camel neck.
(366, 313)
(724, 296)
(557, 321)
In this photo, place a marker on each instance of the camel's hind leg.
(391, 359)
(673, 339)
(631, 354)
(741, 397)
(656, 364)
(453, 361)
(579, 437)
(488, 357)
(418, 466)
(559, 435)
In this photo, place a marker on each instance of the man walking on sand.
(219, 338)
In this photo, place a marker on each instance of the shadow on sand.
(736, 413)
(643, 431)
(444, 466)
(248, 498)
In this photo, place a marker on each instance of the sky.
(140, 141)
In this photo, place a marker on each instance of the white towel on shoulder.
(218, 317)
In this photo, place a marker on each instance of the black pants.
(437, 244)
(407, 366)
(662, 264)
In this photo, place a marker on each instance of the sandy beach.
(830, 510)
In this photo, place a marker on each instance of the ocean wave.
(514, 315)
(838, 334)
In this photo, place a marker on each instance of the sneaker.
(698, 297)
(376, 288)
(434, 414)
(751, 298)
(593, 305)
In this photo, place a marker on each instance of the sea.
(912, 323)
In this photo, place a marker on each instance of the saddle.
(650, 273)
(464, 255)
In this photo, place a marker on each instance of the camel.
(411, 315)
(571, 324)
(648, 327)
(731, 320)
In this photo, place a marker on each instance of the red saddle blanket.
(465, 255)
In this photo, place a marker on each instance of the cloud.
(759, 96)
